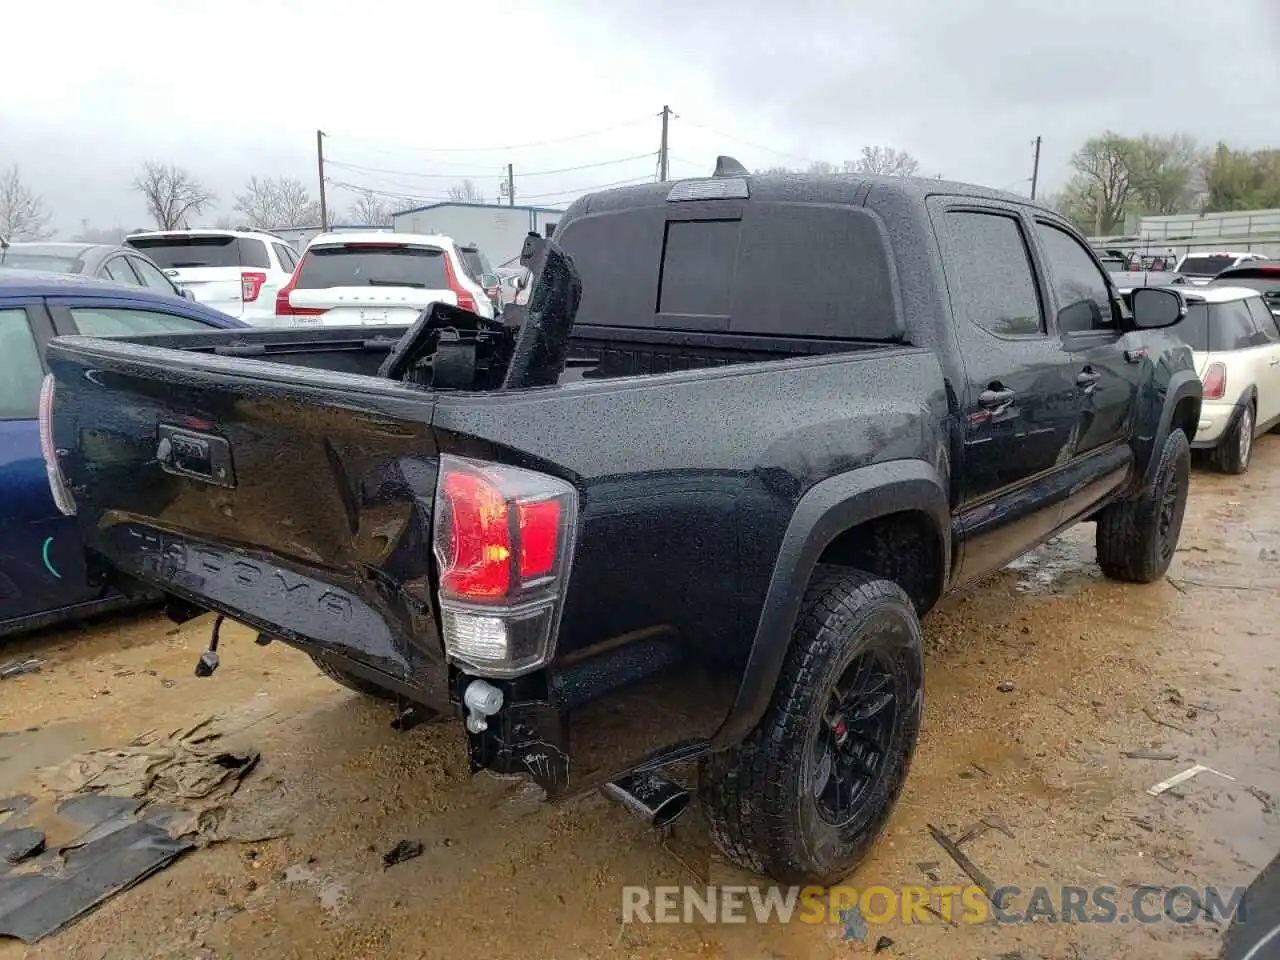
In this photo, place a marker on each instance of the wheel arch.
(856, 519)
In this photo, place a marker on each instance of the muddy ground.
(1188, 668)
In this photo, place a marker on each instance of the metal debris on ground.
(1268, 805)
(1147, 755)
(964, 863)
(1005, 686)
(21, 844)
(1164, 723)
(1183, 777)
(883, 944)
(72, 881)
(16, 668)
(402, 851)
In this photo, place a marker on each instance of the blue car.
(43, 572)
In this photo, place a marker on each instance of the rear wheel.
(804, 797)
(351, 681)
(1233, 453)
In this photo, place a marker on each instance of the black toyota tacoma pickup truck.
(750, 431)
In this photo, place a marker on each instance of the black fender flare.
(1182, 385)
(826, 510)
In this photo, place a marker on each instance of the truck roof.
(794, 187)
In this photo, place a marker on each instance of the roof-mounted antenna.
(729, 167)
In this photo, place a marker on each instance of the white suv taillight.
(503, 537)
(251, 285)
(61, 494)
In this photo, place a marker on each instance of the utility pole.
(663, 164)
(1035, 170)
(511, 186)
(324, 210)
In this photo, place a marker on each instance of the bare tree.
(273, 202)
(884, 162)
(369, 211)
(467, 192)
(172, 194)
(22, 214)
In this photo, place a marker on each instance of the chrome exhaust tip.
(654, 799)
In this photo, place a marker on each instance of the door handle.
(995, 398)
(1087, 377)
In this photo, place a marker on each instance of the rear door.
(41, 559)
(371, 282)
(1018, 402)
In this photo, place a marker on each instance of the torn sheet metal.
(35, 905)
(1183, 777)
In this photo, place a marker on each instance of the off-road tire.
(1132, 544)
(1228, 456)
(759, 797)
(351, 681)
(1256, 925)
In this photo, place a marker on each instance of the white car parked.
(236, 271)
(1236, 342)
(1201, 267)
(379, 278)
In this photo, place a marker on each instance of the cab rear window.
(774, 268)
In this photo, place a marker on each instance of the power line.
(437, 198)
(748, 143)
(455, 176)
(517, 146)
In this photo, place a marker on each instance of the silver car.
(103, 261)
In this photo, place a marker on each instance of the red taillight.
(286, 309)
(478, 552)
(62, 498)
(251, 285)
(503, 539)
(1215, 381)
(465, 299)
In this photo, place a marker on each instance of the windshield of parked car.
(379, 265)
(1204, 266)
(42, 261)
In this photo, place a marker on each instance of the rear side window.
(20, 369)
(359, 265)
(151, 277)
(253, 253)
(118, 270)
(1264, 319)
(1231, 327)
(989, 274)
(125, 321)
(1193, 329)
(285, 256)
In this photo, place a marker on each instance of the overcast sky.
(417, 95)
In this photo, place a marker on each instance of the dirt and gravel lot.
(1040, 681)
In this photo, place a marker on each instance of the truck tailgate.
(250, 486)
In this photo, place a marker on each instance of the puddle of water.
(333, 894)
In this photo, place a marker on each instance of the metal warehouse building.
(497, 229)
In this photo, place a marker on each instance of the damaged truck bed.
(751, 430)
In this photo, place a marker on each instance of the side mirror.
(1155, 308)
(490, 280)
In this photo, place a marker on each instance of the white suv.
(1201, 267)
(379, 278)
(236, 271)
